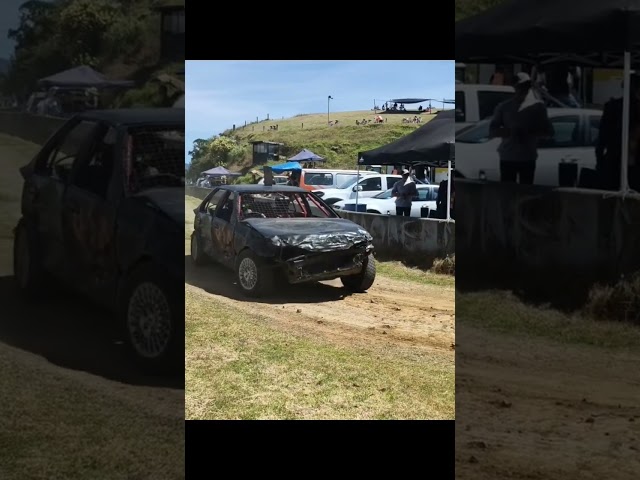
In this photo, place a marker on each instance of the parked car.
(476, 102)
(366, 187)
(575, 136)
(102, 214)
(268, 233)
(321, 179)
(277, 179)
(385, 204)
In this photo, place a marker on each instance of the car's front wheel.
(361, 282)
(27, 263)
(253, 276)
(151, 311)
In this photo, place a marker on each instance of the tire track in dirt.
(537, 410)
(408, 315)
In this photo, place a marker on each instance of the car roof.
(136, 116)
(262, 188)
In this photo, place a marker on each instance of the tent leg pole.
(626, 105)
(449, 190)
(357, 182)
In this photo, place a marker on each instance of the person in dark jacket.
(609, 145)
(404, 190)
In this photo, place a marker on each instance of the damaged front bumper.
(314, 267)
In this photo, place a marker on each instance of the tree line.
(53, 36)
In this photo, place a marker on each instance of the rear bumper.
(326, 266)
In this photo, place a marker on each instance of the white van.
(475, 102)
(323, 178)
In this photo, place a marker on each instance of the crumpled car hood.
(312, 234)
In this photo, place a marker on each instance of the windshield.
(349, 182)
(384, 195)
(479, 133)
(283, 205)
(155, 157)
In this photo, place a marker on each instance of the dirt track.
(535, 410)
(405, 314)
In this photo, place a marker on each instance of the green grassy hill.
(339, 144)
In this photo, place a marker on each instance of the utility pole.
(329, 98)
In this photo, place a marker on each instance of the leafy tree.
(218, 151)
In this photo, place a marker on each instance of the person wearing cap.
(520, 121)
(404, 190)
(609, 145)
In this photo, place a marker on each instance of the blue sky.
(9, 17)
(220, 93)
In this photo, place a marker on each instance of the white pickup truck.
(476, 102)
(367, 187)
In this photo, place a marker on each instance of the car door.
(46, 180)
(89, 214)
(222, 227)
(389, 182)
(567, 145)
(368, 187)
(426, 197)
(203, 222)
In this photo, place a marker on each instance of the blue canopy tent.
(287, 167)
(220, 172)
(306, 156)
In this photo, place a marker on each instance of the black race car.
(266, 233)
(103, 213)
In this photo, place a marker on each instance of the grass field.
(246, 369)
(339, 144)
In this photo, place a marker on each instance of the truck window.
(488, 101)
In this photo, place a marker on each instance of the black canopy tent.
(82, 77)
(429, 145)
(592, 33)
(432, 145)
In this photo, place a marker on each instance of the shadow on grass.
(72, 333)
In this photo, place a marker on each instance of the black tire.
(362, 281)
(198, 257)
(27, 261)
(253, 277)
(164, 303)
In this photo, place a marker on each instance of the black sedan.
(267, 233)
(102, 214)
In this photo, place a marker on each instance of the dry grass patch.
(502, 312)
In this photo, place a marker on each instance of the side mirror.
(357, 188)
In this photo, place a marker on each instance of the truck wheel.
(362, 281)
(151, 314)
(27, 261)
(254, 278)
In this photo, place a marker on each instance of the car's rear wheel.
(362, 281)
(151, 311)
(197, 255)
(27, 261)
(254, 278)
